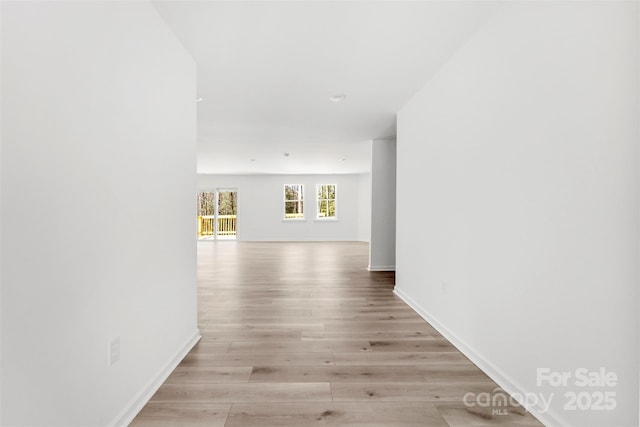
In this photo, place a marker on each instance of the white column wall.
(364, 207)
(382, 252)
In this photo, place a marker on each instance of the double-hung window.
(293, 201)
(327, 201)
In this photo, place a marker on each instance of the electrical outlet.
(445, 285)
(114, 351)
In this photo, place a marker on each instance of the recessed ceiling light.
(252, 160)
(198, 98)
(286, 154)
(339, 97)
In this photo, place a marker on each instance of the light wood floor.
(298, 334)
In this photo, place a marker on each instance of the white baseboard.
(549, 418)
(305, 239)
(381, 268)
(137, 403)
(286, 239)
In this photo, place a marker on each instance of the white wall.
(382, 252)
(98, 176)
(261, 206)
(518, 200)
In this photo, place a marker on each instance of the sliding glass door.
(217, 214)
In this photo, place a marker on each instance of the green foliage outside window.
(326, 195)
(293, 201)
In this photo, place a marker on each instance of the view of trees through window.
(326, 201)
(293, 201)
(227, 203)
(206, 204)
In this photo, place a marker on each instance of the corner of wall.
(136, 404)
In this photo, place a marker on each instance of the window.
(326, 201)
(293, 201)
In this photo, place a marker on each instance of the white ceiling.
(266, 70)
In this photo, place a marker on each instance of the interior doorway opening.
(217, 215)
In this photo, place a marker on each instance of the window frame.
(319, 200)
(299, 200)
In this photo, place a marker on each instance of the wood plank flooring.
(300, 334)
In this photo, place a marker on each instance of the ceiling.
(266, 71)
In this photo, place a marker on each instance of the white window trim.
(284, 204)
(331, 218)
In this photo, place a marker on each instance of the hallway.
(297, 334)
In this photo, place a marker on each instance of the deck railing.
(226, 225)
